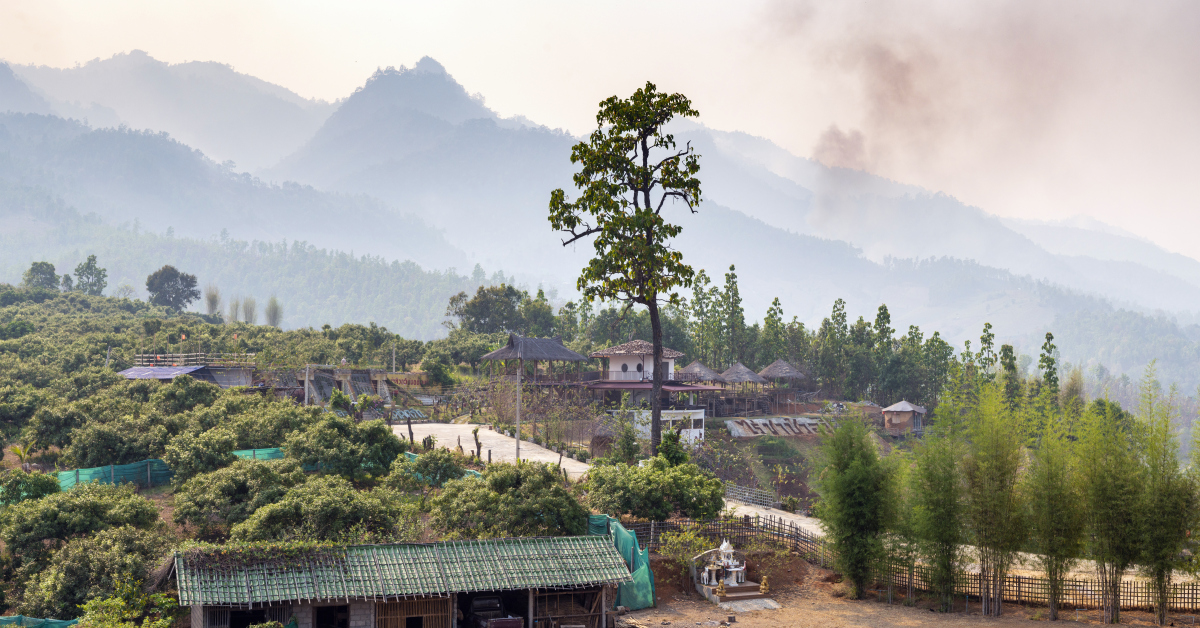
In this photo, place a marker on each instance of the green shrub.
(525, 499)
(655, 490)
(329, 509)
(339, 446)
(32, 529)
(18, 486)
(432, 468)
(215, 502)
(90, 567)
(189, 455)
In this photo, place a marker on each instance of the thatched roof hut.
(781, 370)
(697, 372)
(739, 374)
(540, 349)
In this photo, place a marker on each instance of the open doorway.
(245, 619)
(331, 617)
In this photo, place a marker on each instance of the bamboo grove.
(1018, 472)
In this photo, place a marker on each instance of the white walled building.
(634, 361)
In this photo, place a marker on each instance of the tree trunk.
(1055, 578)
(656, 386)
(1162, 587)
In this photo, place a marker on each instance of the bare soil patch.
(815, 597)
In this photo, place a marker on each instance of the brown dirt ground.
(813, 598)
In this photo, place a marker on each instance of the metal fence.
(912, 577)
(748, 495)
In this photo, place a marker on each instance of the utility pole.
(393, 356)
(306, 386)
(520, 372)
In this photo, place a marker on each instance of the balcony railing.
(194, 359)
(634, 376)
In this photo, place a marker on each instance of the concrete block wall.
(304, 615)
(362, 615)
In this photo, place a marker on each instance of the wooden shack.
(903, 416)
(548, 582)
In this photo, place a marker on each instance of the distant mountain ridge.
(415, 138)
(15, 95)
(207, 105)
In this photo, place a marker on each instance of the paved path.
(503, 447)
(807, 523)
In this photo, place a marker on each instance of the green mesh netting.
(34, 622)
(634, 595)
(153, 472)
(274, 453)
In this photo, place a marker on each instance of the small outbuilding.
(561, 581)
(903, 416)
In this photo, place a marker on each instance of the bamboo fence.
(903, 577)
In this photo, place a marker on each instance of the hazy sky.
(1028, 109)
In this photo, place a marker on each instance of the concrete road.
(807, 523)
(503, 447)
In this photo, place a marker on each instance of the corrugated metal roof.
(158, 372)
(547, 349)
(388, 572)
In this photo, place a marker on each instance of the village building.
(560, 581)
(221, 375)
(634, 362)
(903, 416)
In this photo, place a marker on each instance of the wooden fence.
(894, 574)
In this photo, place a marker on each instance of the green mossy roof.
(389, 572)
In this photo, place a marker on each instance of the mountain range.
(411, 166)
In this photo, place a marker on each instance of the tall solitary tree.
(90, 278)
(170, 288)
(629, 169)
(857, 504)
(41, 275)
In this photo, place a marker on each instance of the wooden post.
(529, 622)
(604, 604)
(148, 481)
(112, 472)
(76, 477)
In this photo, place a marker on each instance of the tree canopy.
(172, 289)
(629, 169)
(40, 275)
(525, 499)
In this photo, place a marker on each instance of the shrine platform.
(733, 593)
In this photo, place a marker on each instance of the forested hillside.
(315, 285)
(152, 182)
